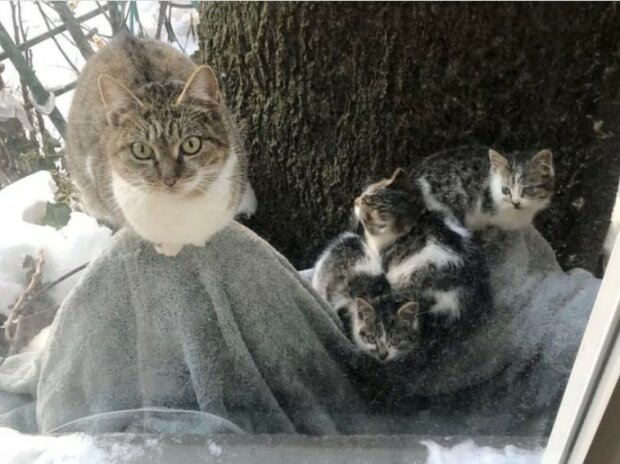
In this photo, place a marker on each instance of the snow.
(51, 67)
(22, 210)
(82, 448)
(468, 452)
(614, 229)
(214, 448)
(67, 449)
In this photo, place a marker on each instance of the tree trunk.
(334, 95)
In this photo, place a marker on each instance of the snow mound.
(22, 210)
(68, 449)
(468, 452)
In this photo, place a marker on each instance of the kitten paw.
(168, 249)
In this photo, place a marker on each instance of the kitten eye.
(505, 190)
(191, 145)
(372, 339)
(141, 150)
(528, 191)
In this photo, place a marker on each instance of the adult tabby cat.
(426, 255)
(482, 187)
(151, 145)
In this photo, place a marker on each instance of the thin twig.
(60, 49)
(73, 26)
(65, 276)
(35, 281)
(160, 19)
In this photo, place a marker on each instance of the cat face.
(169, 137)
(520, 181)
(387, 208)
(385, 333)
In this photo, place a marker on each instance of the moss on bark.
(337, 94)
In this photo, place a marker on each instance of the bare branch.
(160, 19)
(35, 281)
(57, 30)
(60, 49)
(29, 78)
(73, 26)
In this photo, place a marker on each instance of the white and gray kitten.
(425, 254)
(349, 276)
(151, 145)
(482, 187)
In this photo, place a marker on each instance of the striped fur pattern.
(151, 145)
(426, 255)
(350, 277)
(481, 187)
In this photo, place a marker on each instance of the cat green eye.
(191, 145)
(141, 150)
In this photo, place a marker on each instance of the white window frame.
(594, 375)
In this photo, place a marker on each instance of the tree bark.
(334, 95)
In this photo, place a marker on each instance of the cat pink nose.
(169, 181)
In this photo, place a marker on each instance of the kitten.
(348, 275)
(481, 187)
(425, 254)
(151, 145)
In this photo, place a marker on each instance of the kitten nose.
(517, 204)
(382, 355)
(169, 181)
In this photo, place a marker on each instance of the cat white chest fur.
(432, 254)
(171, 220)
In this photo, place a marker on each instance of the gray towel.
(229, 338)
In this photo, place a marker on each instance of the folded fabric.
(229, 337)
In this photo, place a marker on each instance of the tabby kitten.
(151, 145)
(349, 276)
(482, 187)
(425, 254)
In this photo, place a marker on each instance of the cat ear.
(498, 162)
(400, 180)
(365, 311)
(408, 313)
(115, 96)
(201, 85)
(543, 160)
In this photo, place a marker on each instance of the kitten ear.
(201, 85)
(365, 311)
(408, 313)
(115, 96)
(498, 162)
(400, 180)
(543, 161)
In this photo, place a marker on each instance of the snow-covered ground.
(468, 452)
(81, 448)
(69, 449)
(22, 208)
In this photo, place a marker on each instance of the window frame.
(594, 375)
